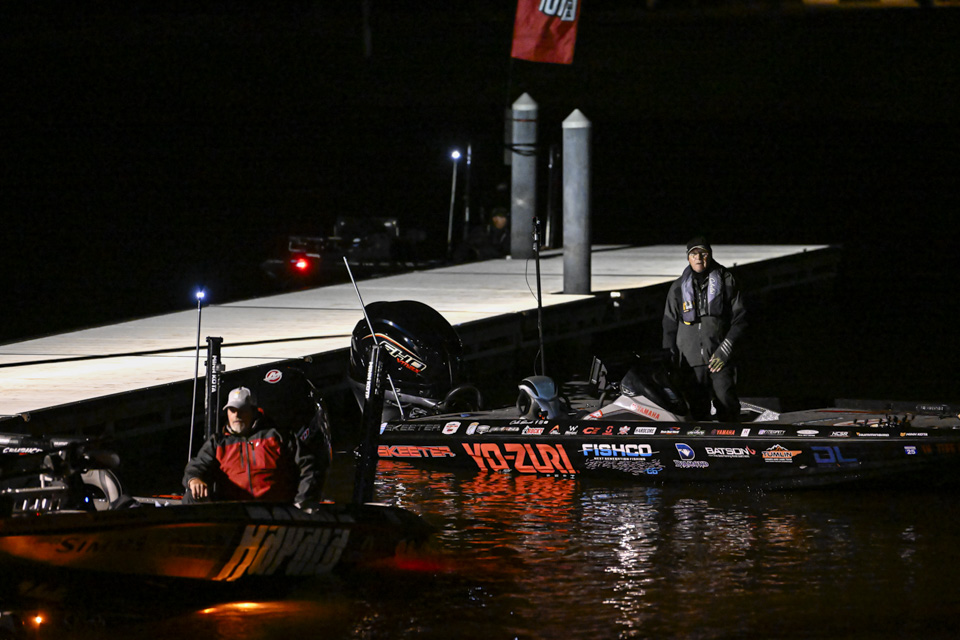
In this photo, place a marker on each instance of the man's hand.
(721, 356)
(716, 362)
(198, 488)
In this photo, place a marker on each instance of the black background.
(153, 148)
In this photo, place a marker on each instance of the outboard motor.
(652, 389)
(422, 359)
(656, 383)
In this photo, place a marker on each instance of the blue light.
(455, 155)
(200, 294)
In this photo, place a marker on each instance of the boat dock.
(137, 376)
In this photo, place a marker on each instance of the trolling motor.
(40, 475)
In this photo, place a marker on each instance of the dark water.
(541, 557)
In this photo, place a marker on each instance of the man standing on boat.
(251, 459)
(703, 320)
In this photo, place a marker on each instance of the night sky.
(157, 147)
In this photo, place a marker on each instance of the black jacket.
(266, 464)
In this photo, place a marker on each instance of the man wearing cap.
(703, 321)
(251, 459)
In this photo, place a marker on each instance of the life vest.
(689, 295)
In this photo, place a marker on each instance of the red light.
(301, 264)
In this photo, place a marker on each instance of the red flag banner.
(545, 30)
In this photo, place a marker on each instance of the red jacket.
(266, 464)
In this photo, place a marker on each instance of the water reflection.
(697, 562)
(540, 557)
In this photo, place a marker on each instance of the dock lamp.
(455, 155)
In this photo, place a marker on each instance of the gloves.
(721, 356)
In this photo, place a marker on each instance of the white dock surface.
(292, 325)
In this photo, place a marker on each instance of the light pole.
(453, 196)
(196, 371)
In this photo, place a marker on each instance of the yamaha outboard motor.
(422, 358)
(659, 380)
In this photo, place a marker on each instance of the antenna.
(373, 334)
(196, 375)
(536, 251)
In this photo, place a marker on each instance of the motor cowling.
(658, 381)
(422, 352)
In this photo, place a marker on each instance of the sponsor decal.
(596, 414)
(617, 450)
(414, 451)
(624, 431)
(771, 432)
(872, 434)
(450, 428)
(266, 550)
(532, 431)
(273, 376)
(608, 431)
(910, 450)
(472, 428)
(644, 431)
(807, 432)
(590, 431)
(933, 408)
(839, 434)
(644, 411)
(830, 455)
(572, 430)
(669, 431)
(688, 458)
(948, 448)
(744, 433)
(402, 356)
(730, 452)
(523, 458)
(503, 429)
(913, 434)
(779, 453)
(632, 466)
(555, 431)
(723, 432)
(409, 427)
(696, 431)
(21, 450)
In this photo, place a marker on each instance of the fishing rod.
(373, 334)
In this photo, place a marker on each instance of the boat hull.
(216, 542)
(771, 455)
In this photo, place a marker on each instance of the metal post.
(214, 369)
(366, 469)
(523, 201)
(576, 203)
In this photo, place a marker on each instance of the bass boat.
(636, 426)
